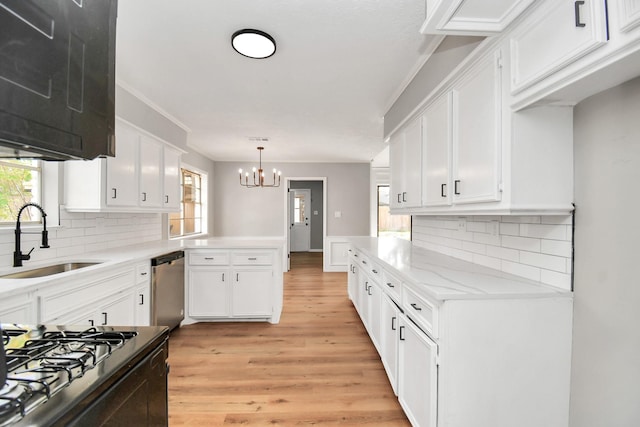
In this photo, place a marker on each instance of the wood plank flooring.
(316, 367)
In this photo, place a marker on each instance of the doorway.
(305, 207)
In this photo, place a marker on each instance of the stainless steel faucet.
(18, 256)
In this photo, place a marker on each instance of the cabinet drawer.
(421, 311)
(391, 285)
(143, 272)
(252, 258)
(209, 258)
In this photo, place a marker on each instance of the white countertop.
(442, 277)
(121, 255)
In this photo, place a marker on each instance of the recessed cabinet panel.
(629, 14)
(122, 179)
(251, 292)
(436, 156)
(150, 164)
(208, 292)
(477, 135)
(565, 32)
(418, 374)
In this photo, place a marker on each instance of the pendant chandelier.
(258, 176)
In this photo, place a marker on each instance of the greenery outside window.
(189, 220)
(20, 183)
(391, 225)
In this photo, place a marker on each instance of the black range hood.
(57, 78)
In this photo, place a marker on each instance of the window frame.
(202, 203)
(377, 187)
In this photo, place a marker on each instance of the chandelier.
(258, 180)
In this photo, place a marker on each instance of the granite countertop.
(442, 277)
(123, 255)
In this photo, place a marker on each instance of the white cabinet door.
(150, 165)
(119, 310)
(18, 309)
(143, 308)
(171, 197)
(477, 134)
(564, 32)
(352, 280)
(436, 156)
(372, 312)
(396, 165)
(122, 170)
(389, 314)
(418, 374)
(412, 163)
(209, 292)
(251, 292)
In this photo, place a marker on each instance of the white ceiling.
(338, 67)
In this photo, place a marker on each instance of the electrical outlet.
(462, 224)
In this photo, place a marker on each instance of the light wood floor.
(316, 367)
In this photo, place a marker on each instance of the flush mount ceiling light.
(253, 43)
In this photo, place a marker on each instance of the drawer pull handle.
(404, 196)
(166, 199)
(209, 258)
(364, 262)
(141, 299)
(104, 315)
(144, 197)
(577, 5)
(375, 271)
(369, 290)
(114, 196)
(401, 335)
(399, 194)
(223, 277)
(415, 307)
(252, 259)
(91, 322)
(393, 323)
(391, 285)
(456, 191)
(143, 273)
(443, 190)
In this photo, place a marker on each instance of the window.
(391, 225)
(189, 219)
(20, 183)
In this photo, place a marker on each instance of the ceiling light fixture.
(260, 181)
(253, 43)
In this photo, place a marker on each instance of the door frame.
(287, 220)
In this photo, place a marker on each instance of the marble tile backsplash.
(83, 232)
(534, 247)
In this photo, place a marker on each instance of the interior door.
(301, 224)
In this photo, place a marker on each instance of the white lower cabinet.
(18, 309)
(232, 284)
(417, 374)
(389, 340)
(482, 359)
(143, 294)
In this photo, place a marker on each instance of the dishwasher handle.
(167, 258)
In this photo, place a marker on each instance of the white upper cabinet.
(477, 133)
(405, 158)
(436, 156)
(629, 14)
(470, 17)
(122, 181)
(144, 176)
(558, 36)
(171, 198)
(151, 166)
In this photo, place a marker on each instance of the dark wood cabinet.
(57, 78)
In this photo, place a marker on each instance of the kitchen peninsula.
(113, 286)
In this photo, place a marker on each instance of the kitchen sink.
(48, 270)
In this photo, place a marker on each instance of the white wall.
(605, 381)
(240, 211)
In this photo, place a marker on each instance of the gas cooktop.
(70, 366)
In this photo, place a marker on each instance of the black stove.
(73, 376)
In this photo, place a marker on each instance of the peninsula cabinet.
(144, 176)
(237, 284)
(464, 345)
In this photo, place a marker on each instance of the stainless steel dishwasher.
(167, 289)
